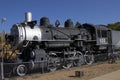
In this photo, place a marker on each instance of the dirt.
(111, 76)
(90, 71)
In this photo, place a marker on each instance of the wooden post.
(79, 73)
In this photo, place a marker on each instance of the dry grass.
(89, 72)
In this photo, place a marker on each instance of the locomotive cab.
(101, 35)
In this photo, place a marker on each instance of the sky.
(83, 11)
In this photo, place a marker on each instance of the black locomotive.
(60, 47)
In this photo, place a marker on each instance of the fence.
(21, 69)
(1, 71)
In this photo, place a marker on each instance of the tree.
(51, 25)
(77, 25)
(0, 39)
(114, 26)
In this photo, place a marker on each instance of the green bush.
(114, 26)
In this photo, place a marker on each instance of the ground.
(90, 71)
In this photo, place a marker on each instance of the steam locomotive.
(60, 47)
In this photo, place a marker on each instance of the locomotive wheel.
(31, 65)
(89, 58)
(52, 67)
(67, 64)
(21, 70)
(53, 64)
(80, 59)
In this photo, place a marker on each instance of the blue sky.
(84, 11)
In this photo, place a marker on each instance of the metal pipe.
(2, 63)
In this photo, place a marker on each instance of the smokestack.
(28, 17)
